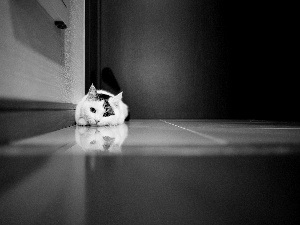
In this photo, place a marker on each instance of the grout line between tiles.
(218, 140)
(275, 128)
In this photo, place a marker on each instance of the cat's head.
(100, 109)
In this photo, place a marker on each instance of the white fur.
(83, 115)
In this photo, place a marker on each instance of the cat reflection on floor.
(107, 139)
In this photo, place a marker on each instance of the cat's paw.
(106, 124)
(82, 122)
(100, 124)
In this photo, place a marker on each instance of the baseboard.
(21, 118)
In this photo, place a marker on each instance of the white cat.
(100, 108)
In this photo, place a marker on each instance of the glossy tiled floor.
(154, 172)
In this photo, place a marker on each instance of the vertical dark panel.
(92, 35)
(87, 45)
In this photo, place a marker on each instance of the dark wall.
(200, 58)
(263, 68)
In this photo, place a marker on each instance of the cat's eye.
(93, 110)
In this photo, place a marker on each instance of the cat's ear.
(92, 92)
(119, 96)
(116, 99)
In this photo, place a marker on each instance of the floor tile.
(154, 172)
(245, 132)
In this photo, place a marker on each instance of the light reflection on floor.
(171, 137)
(154, 172)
